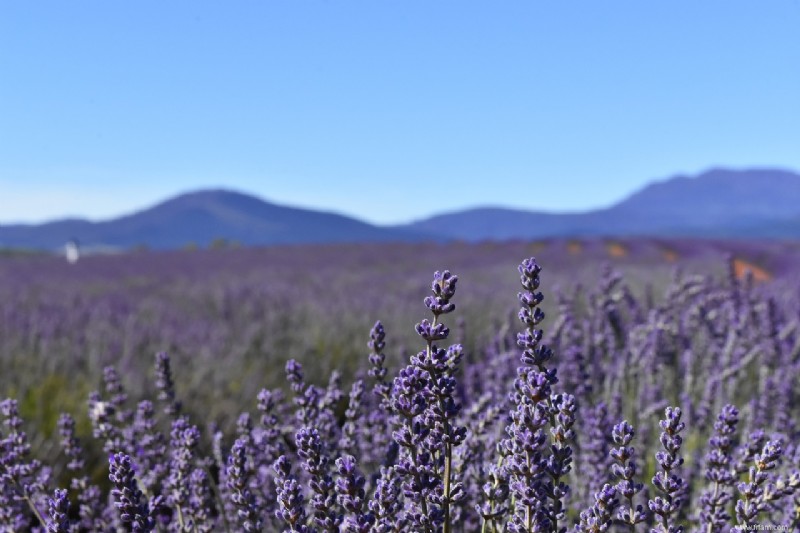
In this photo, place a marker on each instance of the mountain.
(754, 203)
(200, 218)
(718, 196)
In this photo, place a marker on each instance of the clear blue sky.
(388, 110)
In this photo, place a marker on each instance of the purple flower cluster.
(529, 433)
(134, 512)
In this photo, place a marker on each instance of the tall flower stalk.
(536, 475)
(624, 469)
(131, 504)
(719, 472)
(311, 450)
(238, 475)
(752, 501)
(424, 397)
(667, 480)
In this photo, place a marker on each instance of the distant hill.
(755, 203)
(718, 196)
(200, 218)
(760, 203)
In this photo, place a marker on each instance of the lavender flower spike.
(184, 440)
(714, 502)
(624, 468)
(166, 385)
(70, 444)
(350, 487)
(598, 518)
(241, 496)
(59, 512)
(310, 448)
(377, 359)
(129, 501)
(751, 504)
(667, 481)
(290, 497)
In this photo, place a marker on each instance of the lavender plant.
(719, 472)
(624, 469)
(667, 480)
(460, 438)
(134, 513)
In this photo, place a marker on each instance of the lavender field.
(625, 385)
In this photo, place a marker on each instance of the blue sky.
(387, 110)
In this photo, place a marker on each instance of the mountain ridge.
(720, 202)
(201, 217)
(717, 202)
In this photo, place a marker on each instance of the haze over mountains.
(753, 203)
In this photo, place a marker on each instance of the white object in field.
(72, 252)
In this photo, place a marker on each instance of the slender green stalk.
(218, 497)
(36, 512)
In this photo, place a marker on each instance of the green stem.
(218, 497)
(448, 452)
(423, 500)
(528, 514)
(36, 512)
(181, 524)
(447, 465)
(710, 527)
(632, 515)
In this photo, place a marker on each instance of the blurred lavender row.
(226, 391)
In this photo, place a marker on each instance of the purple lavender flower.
(69, 443)
(746, 454)
(104, 426)
(184, 441)
(595, 445)
(306, 397)
(166, 386)
(423, 397)
(719, 471)
(128, 499)
(443, 288)
(116, 394)
(485, 485)
(22, 480)
(327, 422)
(310, 448)
(237, 480)
(494, 495)
(90, 503)
(291, 509)
(559, 464)
(752, 502)
(382, 462)
(272, 445)
(534, 353)
(377, 359)
(386, 504)
(58, 509)
(523, 452)
(535, 477)
(244, 428)
(667, 481)
(624, 469)
(150, 449)
(351, 496)
(294, 374)
(201, 501)
(348, 442)
(598, 517)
